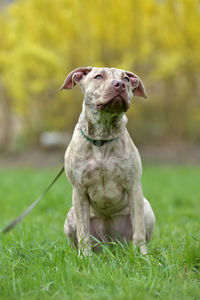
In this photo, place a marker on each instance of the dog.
(103, 164)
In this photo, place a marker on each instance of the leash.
(28, 210)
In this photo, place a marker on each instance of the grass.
(37, 263)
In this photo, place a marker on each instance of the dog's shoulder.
(132, 154)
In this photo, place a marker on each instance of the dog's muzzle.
(116, 104)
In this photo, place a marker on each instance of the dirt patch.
(33, 158)
(168, 154)
(171, 154)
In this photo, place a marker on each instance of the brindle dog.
(103, 164)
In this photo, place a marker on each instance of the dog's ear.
(138, 86)
(74, 77)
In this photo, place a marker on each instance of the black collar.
(97, 143)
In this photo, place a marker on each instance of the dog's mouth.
(116, 104)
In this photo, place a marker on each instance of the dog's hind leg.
(70, 228)
(149, 218)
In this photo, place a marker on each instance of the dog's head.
(106, 89)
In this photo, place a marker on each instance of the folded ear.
(138, 86)
(74, 77)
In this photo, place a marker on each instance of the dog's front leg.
(82, 213)
(136, 206)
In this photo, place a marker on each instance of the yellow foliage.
(41, 41)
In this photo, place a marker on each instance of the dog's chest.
(106, 179)
(105, 174)
(99, 169)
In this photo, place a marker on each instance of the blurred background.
(41, 41)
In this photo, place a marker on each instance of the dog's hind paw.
(143, 250)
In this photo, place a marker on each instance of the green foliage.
(41, 41)
(37, 263)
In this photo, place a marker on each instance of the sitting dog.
(103, 164)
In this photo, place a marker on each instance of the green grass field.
(37, 263)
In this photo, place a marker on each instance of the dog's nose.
(118, 85)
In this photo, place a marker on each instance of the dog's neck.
(101, 125)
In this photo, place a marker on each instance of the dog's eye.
(99, 76)
(126, 79)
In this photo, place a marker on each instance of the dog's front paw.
(143, 249)
(140, 241)
(85, 252)
(85, 248)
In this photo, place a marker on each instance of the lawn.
(37, 263)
